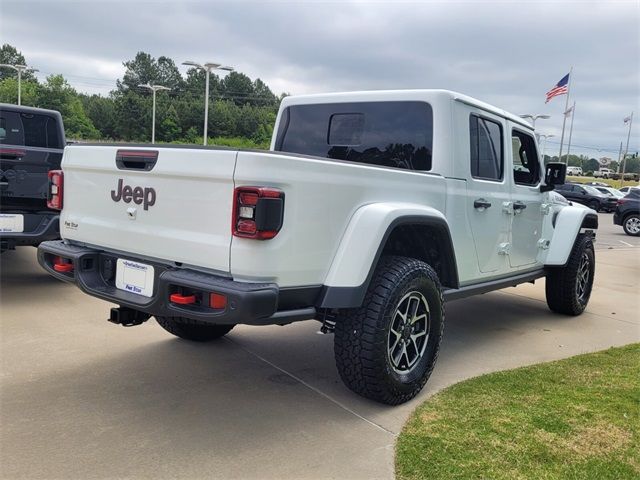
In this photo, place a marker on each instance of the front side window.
(486, 148)
(526, 169)
(390, 134)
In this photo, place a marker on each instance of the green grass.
(572, 419)
(608, 181)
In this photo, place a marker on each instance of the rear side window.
(487, 154)
(30, 130)
(389, 134)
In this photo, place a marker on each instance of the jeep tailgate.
(168, 204)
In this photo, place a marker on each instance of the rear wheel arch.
(423, 238)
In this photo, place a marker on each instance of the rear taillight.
(621, 201)
(257, 212)
(56, 185)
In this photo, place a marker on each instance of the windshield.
(615, 193)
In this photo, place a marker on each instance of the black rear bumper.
(247, 303)
(38, 227)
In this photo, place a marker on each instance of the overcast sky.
(507, 53)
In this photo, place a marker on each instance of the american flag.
(560, 88)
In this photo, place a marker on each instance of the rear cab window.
(29, 130)
(396, 134)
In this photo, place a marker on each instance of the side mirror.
(555, 174)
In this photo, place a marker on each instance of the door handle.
(481, 203)
(519, 205)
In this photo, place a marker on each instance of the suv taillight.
(56, 184)
(257, 212)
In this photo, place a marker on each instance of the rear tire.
(594, 205)
(631, 225)
(192, 329)
(386, 349)
(568, 288)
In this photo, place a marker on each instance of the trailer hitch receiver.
(127, 317)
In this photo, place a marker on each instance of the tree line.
(590, 165)
(242, 111)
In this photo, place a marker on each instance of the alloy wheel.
(408, 332)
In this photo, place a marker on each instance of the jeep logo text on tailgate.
(139, 195)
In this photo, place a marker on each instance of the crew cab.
(31, 143)
(370, 210)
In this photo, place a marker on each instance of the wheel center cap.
(406, 333)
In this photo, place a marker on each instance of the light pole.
(534, 117)
(544, 145)
(628, 120)
(19, 69)
(154, 89)
(207, 67)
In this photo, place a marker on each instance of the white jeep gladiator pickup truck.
(370, 210)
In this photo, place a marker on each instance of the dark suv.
(627, 213)
(587, 195)
(31, 143)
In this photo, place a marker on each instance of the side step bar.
(477, 288)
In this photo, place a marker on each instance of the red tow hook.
(182, 299)
(58, 266)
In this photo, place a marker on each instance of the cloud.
(508, 53)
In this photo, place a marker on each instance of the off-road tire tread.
(194, 330)
(561, 282)
(357, 355)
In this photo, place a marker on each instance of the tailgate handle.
(12, 153)
(143, 160)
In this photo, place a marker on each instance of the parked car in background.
(31, 144)
(614, 192)
(587, 195)
(575, 171)
(603, 173)
(626, 190)
(627, 213)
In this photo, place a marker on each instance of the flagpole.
(564, 121)
(626, 150)
(573, 112)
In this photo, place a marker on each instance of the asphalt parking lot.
(82, 398)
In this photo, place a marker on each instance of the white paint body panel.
(335, 214)
(568, 224)
(190, 222)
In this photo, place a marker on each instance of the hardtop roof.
(391, 95)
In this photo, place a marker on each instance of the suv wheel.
(192, 329)
(386, 349)
(568, 288)
(594, 205)
(631, 225)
